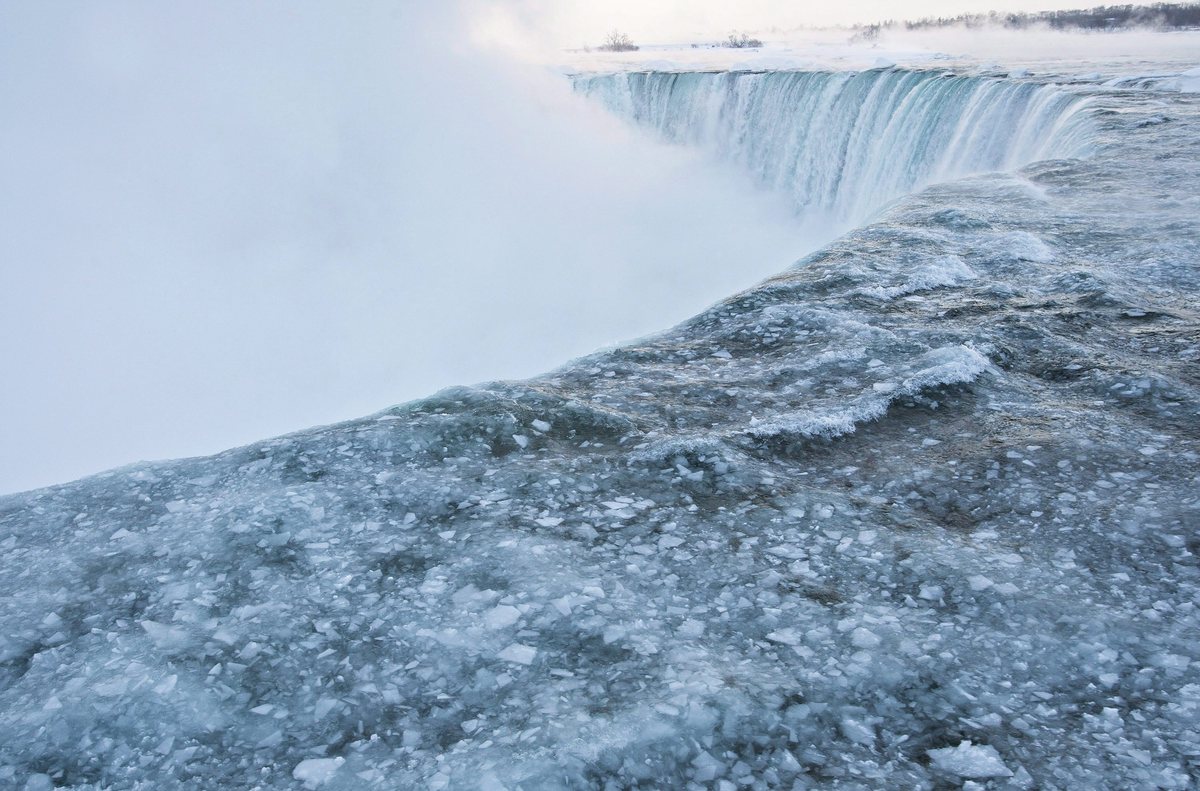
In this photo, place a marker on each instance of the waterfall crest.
(843, 144)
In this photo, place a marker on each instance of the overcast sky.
(571, 23)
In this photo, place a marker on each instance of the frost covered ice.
(315, 772)
(919, 512)
(970, 761)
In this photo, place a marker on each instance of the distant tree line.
(741, 41)
(616, 41)
(1164, 16)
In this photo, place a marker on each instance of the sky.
(575, 23)
(222, 221)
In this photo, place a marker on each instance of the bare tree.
(742, 41)
(618, 42)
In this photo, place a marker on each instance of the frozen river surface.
(918, 512)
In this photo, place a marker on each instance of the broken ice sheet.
(903, 542)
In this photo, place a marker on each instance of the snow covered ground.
(919, 512)
(1076, 53)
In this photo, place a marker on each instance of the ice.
(809, 538)
(165, 636)
(707, 768)
(786, 636)
(943, 273)
(970, 761)
(978, 582)
(315, 772)
(1189, 81)
(518, 654)
(1020, 246)
(502, 616)
(864, 638)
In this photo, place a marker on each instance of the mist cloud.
(224, 221)
(575, 23)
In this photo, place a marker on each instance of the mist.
(1039, 44)
(225, 221)
(555, 24)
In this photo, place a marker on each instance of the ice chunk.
(166, 637)
(973, 761)
(1189, 81)
(786, 636)
(501, 616)
(324, 706)
(314, 772)
(518, 654)
(490, 782)
(864, 638)
(707, 767)
(39, 782)
(1023, 246)
(942, 272)
(858, 732)
(931, 592)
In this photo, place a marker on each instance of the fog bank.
(225, 221)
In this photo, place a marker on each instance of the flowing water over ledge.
(843, 144)
(918, 510)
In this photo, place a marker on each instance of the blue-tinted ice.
(919, 511)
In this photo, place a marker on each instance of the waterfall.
(844, 144)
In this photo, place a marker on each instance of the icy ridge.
(945, 366)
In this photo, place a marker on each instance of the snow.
(1018, 53)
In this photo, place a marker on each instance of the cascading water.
(843, 144)
(918, 513)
